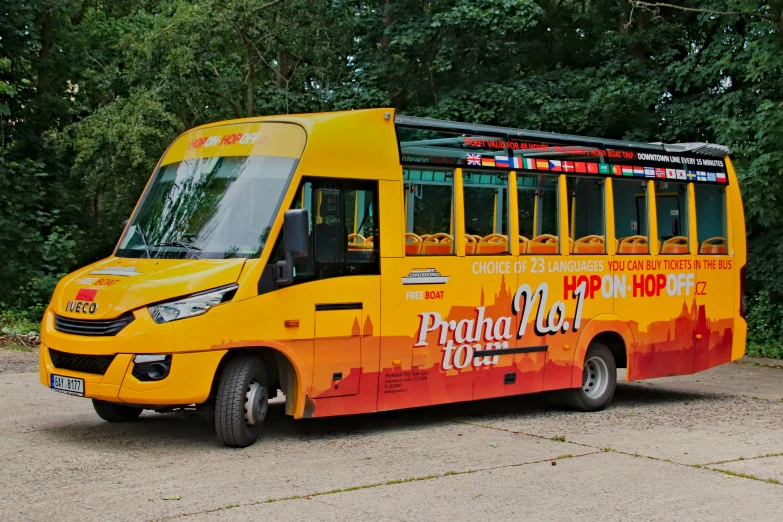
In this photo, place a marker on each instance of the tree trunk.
(251, 75)
(44, 59)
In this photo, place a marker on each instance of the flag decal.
(86, 294)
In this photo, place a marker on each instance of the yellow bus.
(365, 261)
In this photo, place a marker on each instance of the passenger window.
(630, 216)
(486, 213)
(711, 219)
(671, 204)
(360, 223)
(343, 232)
(586, 215)
(537, 200)
(429, 212)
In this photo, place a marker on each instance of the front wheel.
(242, 402)
(112, 412)
(599, 380)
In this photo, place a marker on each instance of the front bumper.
(189, 381)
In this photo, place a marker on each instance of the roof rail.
(708, 149)
(698, 147)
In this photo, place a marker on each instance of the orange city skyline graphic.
(679, 345)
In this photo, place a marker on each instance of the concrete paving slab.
(748, 379)
(663, 422)
(605, 486)
(316, 509)
(768, 468)
(89, 465)
(57, 456)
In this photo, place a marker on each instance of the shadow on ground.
(175, 430)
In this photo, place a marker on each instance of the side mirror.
(297, 232)
(296, 243)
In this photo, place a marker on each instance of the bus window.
(538, 209)
(360, 223)
(711, 219)
(586, 215)
(486, 213)
(671, 202)
(429, 211)
(343, 232)
(630, 216)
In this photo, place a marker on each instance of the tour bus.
(365, 261)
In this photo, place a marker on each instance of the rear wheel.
(113, 412)
(599, 380)
(242, 402)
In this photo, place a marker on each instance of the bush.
(765, 326)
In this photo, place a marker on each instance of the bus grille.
(93, 328)
(97, 364)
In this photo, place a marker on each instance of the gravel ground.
(17, 361)
(701, 447)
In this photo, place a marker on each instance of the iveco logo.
(84, 302)
(81, 307)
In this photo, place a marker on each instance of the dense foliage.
(91, 92)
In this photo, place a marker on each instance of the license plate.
(69, 385)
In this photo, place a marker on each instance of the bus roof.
(698, 148)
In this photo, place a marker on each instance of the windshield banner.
(285, 140)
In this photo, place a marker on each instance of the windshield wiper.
(143, 236)
(193, 249)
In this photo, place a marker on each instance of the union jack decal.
(474, 159)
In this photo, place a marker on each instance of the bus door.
(337, 347)
(716, 296)
(341, 278)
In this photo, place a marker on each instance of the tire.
(113, 412)
(599, 381)
(242, 402)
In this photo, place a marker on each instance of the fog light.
(151, 367)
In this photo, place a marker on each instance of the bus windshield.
(214, 207)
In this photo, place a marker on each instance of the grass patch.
(559, 438)
(746, 476)
(18, 348)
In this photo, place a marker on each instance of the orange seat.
(355, 239)
(632, 245)
(437, 244)
(675, 245)
(543, 244)
(412, 244)
(713, 245)
(524, 244)
(493, 244)
(591, 244)
(470, 244)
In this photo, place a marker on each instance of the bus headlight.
(192, 305)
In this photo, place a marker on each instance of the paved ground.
(705, 447)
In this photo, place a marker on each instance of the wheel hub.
(256, 403)
(595, 377)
